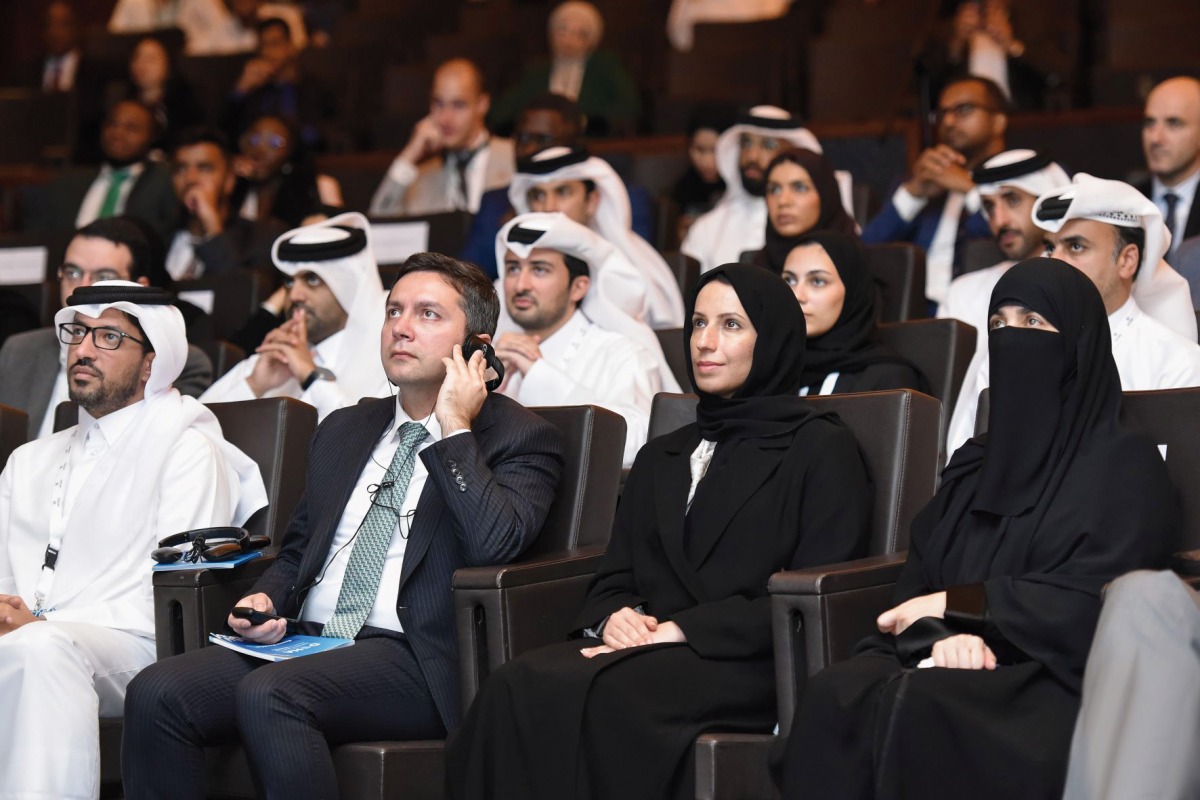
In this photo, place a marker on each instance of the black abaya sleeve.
(833, 493)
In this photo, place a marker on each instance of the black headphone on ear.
(208, 544)
(475, 342)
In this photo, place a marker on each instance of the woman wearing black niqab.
(1003, 577)
(676, 626)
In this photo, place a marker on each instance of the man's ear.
(487, 337)
(147, 363)
(484, 103)
(1128, 261)
(593, 203)
(579, 288)
(1000, 124)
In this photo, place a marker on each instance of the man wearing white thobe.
(325, 353)
(80, 513)
(563, 344)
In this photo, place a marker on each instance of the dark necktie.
(462, 159)
(1170, 198)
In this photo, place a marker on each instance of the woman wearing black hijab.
(675, 633)
(828, 274)
(802, 196)
(1001, 589)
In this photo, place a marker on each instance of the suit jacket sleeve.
(498, 510)
(197, 373)
(889, 226)
(834, 496)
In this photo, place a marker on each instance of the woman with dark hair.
(277, 176)
(674, 637)
(154, 80)
(828, 274)
(802, 197)
(971, 686)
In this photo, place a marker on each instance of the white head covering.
(162, 322)
(1020, 169)
(338, 250)
(1158, 289)
(765, 121)
(607, 268)
(118, 504)
(613, 220)
(584, 13)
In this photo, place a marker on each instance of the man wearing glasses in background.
(324, 353)
(33, 367)
(937, 208)
(80, 513)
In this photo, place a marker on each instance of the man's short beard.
(755, 187)
(105, 398)
(537, 318)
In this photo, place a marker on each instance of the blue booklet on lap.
(230, 564)
(291, 646)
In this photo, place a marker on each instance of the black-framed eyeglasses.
(104, 338)
(311, 279)
(74, 274)
(959, 110)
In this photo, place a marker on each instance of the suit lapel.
(357, 447)
(41, 380)
(672, 477)
(740, 478)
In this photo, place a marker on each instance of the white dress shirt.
(1148, 355)
(402, 174)
(58, 74)
(182, 263)
(322, 599)
(1186, 192)
(93, 200)
(582, 363)
(939, 258)
(57, 395)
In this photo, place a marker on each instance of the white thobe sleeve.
(699, 242)
(8, 584)
(388, 200)
(962, 422)
(327, 397)
(198, 490)
(232, 387)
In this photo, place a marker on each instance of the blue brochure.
(230, 564)
(291, 646)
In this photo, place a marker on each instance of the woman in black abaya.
(828, 273)
(675, 632)
(1001, 590)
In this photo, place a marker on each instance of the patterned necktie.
(360, 584)
(1170, 198)
(115, 182)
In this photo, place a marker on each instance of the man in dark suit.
(937, 208)
(33, 376)
(1171, 142)
(126, 183)
(399, 494)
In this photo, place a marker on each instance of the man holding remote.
(399, 494)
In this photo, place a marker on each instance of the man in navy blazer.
(484, 475)
(937, 208)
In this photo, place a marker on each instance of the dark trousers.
(287, 716)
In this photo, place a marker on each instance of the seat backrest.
(686, 270)
(397, 238)
(583, 508)
(676, 354)
(1169, 417)
(229, 299)
(275, 432)
(940, 348)
(223, 355)
(898, 433)
(14, 431)
(898, 270)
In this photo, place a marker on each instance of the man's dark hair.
(1134, 236)
(202, 134)
(589, 186)
(119, 230)
(576, 267)
(996, 98)
(477, 295)
(273, 22)
(567, 110)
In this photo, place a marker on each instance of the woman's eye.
(789, 280)
(995, 323)
(819, 282)
(799, 187)
(697, 323)
(1033, 322)
(732, 324)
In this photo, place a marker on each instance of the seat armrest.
(190, 604)
(820, 614)
(862, 573)
(552, 567)
(1186, 564)
(504, 611)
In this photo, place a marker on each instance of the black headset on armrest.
(208, 544)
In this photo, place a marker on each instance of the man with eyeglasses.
(451, 159)
(210, 239)
(739, 221)
(80, 513)
(324, 352)
(33, 369)
(937, 208)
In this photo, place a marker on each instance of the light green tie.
(360, 584)
(115, 182)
